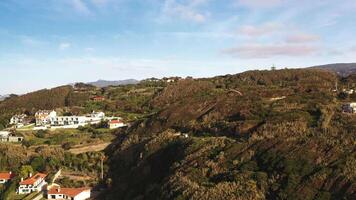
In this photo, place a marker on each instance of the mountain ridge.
(105, 83)
(343, 69)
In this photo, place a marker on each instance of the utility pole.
(102, 166)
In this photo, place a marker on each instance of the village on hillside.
(40, 185)
(37, 186)
(49, 120)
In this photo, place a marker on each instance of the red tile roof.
(115, 121)
(6, 175)
(98, 98)
(71, 192)
(33, 179)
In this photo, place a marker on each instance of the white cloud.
(89, 50)
(302, 38)
(31, 41)
(264, 29)
(270, 50)
(187, 11)
(64, 46)
(80, 6)
(100, 2)
(259, 3)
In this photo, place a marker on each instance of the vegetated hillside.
(343, 69)
(128, 101)
(256, 135)
(42, 99)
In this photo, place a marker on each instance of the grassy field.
(73, 137)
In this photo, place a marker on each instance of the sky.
(47, 43)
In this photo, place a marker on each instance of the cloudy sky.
(45, 43)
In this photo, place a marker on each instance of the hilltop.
(343, 69)
(105, 83)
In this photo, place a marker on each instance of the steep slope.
(255, 135)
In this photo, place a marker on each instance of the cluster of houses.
(37, 183)
(45, 119)
(349, 108)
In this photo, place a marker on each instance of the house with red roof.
(116, 123)
(98, 98)
(6, 176)
(34, 183)
(56, 192)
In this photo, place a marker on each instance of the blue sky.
(46, 43)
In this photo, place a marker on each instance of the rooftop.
(6, 175)
(71, 192)
(33, 179)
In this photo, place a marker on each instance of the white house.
(68, 120)
(95, 117)
(116, 123)
(349, 108)
(69, 193)
(34, 183)
(19, 120)
(6, 176)
(43, 117)
(6, 136)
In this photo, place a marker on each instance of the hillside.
(255, 135)
(343, 69)
(277, 134)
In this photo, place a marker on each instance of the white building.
(34, 183)
(18, 120)
(95, 117)
(6, 136)
(68, 120)
(116, 123)
(46, 119)
(43, 117)
(69, 193)
(349, 108)
(6, 176)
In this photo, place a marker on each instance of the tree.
(25, 171)
(38, 164)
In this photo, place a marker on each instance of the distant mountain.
(105, 83)
(343, 69)
(2, 97)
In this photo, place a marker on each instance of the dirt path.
(76, 176)
(89, 148)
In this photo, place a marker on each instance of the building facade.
(34, 183)
(6, 136)
(116, 123)
(19, 120)
(43, 117)
(349, 108)
(69, 193)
